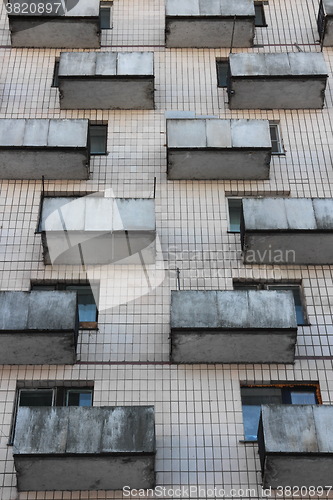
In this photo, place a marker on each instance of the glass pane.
(36, 398)
(259, 19)
(252, 399)
(55, 81)
(275, 138)
(97, 139)
(79, 398)
(104, 18)
(222, 73)
(300, 317)
(251, 416)
(235, 209)
(303, 398)
(244, 286)
(86, 303)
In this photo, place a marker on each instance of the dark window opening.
(98, 139)
(253, 397)
(105, 15)
(259, 12)
(222, 66)
(55, 81)
(301, 316)
(277, 146)
(87, 308)
(235, 212)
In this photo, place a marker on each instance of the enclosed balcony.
(287, 231)
(33, 148)
(233, 327)
(106, 80)
(203, 149)
(325, 22)
(84, 448)
(277, 81)
(38, 328)
(296, 445)
(200, 24)
(98, 230)
(55, 24)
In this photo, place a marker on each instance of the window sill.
(248, 441)
(283, 153)
(88, 325)
(233, 232)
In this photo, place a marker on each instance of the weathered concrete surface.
(106, 80)
(76, 27)
(201, 24)
(296, 445)
(97, 230)
(201, 149)
(81, 448)
(38, 327)
(325, 23)
(233, 326)
(277, 81)
(287, 230)
(31, 148)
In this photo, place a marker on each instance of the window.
(259, 19)
(235, 212)
(87, 308)
(296, 290)
(222, 66)
(55, 81)
(105, 15)
(253, 397)
(97, 139)
(277, 146)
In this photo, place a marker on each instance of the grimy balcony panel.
(106, 80)
(325, 22)
(202, 24)
(277, 81)
(233, 326)
(70, 25)
(84, 448)
(98, 230)
(287, 231)
(296, 445)
(202, 149)
(39, 327)
(55, 149)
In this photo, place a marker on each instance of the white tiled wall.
(198, 408)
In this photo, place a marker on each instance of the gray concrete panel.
(106, 63)
(12, 132)
(84, 448)
(327, 35)
(250, 134)
(77, 64)
(282, 470)
(323, 421)
(186, 133)
(135, 63)
(323, 210)
(36, 133)
(211, 8)
(218, 134)
(183, 8)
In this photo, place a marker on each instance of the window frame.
(279, 141)
(55, 78)
(104, 127)
(62, 286)
(265, 285)
(106, 6)
(262, 23)
(286, 387)
(229, 201)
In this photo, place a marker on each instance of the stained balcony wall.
(201, 24)
(203, 149)
(84, 448)
(38, 328)
(33, 148)
(233, 326)
(106, 80)
(277, 81)
(296, 445)
(287, 231)
(70, 25)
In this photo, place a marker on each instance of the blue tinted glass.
(302, 398)
(79, 398)
(251, 415)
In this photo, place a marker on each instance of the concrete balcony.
(75, 26)
(325, 22)
(38, 328)
(98, 230)
(296, 445)
(106, 80)
(219, 23)
(233, 326)
(55, 149)
(287, 231)
(84, 448)
(277, 81)
(203, 149)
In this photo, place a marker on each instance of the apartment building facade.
(166, 249)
